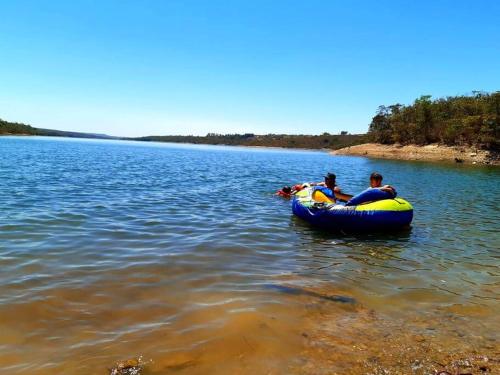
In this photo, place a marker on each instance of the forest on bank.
(467, 120)
(323, 141)
(18, 128)
(7, 127)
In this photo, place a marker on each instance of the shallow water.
(182, 255)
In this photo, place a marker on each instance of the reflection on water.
(113, 250)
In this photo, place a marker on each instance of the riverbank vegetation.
(464, 121)
(18, 128)
(323, 141)
(467, 120)
(7, 127)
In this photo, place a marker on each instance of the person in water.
(288, 192)
(285, 192)
(331, 190)
(376, 183)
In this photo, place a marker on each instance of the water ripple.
(107, 247)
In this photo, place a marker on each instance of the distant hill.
(468, 120)
(62, 133)
(7, 128)
(323, 141)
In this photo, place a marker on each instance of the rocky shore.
(433, 152)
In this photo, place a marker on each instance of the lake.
(182, 255)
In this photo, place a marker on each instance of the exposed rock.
(433, 152)
(131, 366)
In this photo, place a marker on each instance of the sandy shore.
(431, 152)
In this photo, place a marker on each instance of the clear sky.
(134, 68)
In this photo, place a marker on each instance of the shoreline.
(432, 153)
(428, 153)
(17, 134)
(327, 150)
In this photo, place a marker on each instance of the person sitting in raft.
(331, 190)
(374, 193)
(376, 183)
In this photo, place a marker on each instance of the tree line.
(472, 120)
(19, 128)
(7, 127)
(323, 141)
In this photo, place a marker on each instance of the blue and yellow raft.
(385, 214)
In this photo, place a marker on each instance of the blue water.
(108, 245)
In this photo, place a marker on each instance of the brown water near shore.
(368, 342)
(293, 329)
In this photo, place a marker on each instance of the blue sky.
(134, 68)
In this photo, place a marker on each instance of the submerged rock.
(300, 291)
(131, 366)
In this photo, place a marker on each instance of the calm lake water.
(182, 255)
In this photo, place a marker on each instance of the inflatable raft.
(372, 210)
